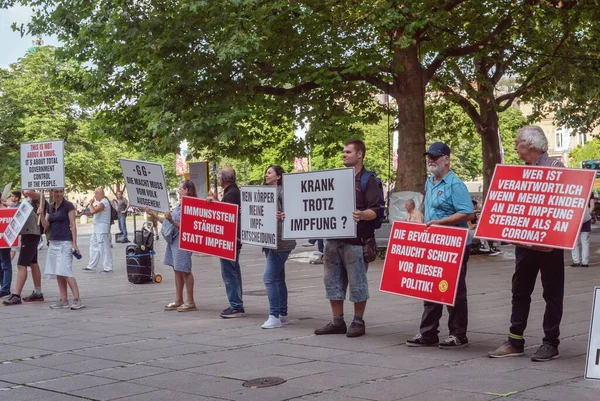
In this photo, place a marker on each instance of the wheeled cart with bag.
(139, 257)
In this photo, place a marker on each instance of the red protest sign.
(536, 205)
(6, 216)
(209, 228)
(423, 262)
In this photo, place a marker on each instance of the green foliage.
(448, 123)
(36, 106)
(589, 151)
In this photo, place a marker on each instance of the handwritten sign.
(536, 205)
(259, 216)
(423, 262)
(11, 232)
(146, 184)
(42, 165)
(319, 204)
(6, 217)
(209, 228)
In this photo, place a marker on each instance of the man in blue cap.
(447, 203)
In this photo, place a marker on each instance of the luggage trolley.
(139, 257)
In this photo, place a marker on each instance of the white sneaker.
(271, 323)
(284, 320)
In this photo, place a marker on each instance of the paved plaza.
(123, 346)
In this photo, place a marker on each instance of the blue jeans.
(274, 278)
(232, 278)
(123, 225)
(6, 271)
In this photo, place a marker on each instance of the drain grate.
(264, 382)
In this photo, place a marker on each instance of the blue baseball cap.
(438, 149)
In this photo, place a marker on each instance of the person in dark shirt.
(344, 261)
(230, 269)
(531, 145)
(59, 221)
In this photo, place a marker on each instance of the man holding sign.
(447, 203)
(531, 145)
(343, 259)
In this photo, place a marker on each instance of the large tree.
(221, 73)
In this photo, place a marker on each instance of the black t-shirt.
(370, 199)
(60, 228)
(232, 195)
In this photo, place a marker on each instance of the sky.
(12, 45)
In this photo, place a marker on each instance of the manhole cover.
(264, 382)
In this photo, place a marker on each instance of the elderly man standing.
(100, 240)
(413, 215)
(531, 145)
(447, 203)
(230, 270)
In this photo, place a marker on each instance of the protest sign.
(319, 204)
(199, 176)
(209, 228)
(424, 262)
(146, 184)
(259, 216)
(6, 190)
(6, 216)
(592, 367)
(11, 232)
(43, 165)
(535, 205)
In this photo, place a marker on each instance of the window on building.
(581, 138)
(558, 139)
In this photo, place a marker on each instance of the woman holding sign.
(179, 260)
(274, 275)
(59, 221)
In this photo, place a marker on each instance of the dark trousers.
(552, 267)
(5, 270)
(458, 315)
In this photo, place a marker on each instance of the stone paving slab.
(123, 346)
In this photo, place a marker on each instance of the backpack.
(364, 180)
(113, 212)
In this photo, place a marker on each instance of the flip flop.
(173, 306)
(187, 308)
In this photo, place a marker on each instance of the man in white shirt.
(100, 240)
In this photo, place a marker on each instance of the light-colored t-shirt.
(101, 220)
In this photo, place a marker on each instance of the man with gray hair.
(230, 270)
(531, 145)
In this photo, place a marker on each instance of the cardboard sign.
(259, 216)
(43, 165)
(199, 176)
(11, 232)
(535, 205)
(6, 216)
(423, 262)
(209, 228)
(592, 366)
(319, 204)
(146, 184)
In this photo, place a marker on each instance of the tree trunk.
(410, 97)
(490, 146)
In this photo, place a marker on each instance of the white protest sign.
(43, 165)
(319, 204)
(259, 216)
(6, 190)
(146, 184)
(592, 366)
(14, 228)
